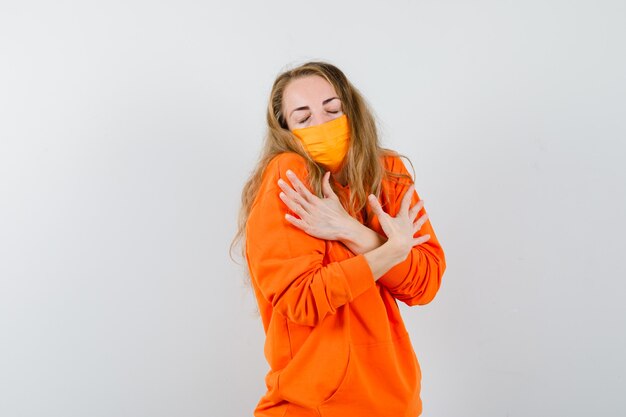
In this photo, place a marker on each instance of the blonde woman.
(335, 234)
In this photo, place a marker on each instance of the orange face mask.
(327, 143)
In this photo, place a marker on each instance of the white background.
(127, 129)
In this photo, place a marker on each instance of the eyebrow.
(307, 107)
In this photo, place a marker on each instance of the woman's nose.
(318, 119)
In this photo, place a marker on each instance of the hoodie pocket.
(342, 384)
(319, 367)
(382, 379)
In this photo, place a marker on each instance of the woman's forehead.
(310, 90)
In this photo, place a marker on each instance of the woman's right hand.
(401, 229)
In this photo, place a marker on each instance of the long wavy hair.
(364, 165)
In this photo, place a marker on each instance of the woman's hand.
(324, 218)
(400, 229)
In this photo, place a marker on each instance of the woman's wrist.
(360, 238)
(398, 252)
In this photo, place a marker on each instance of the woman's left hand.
(324, 218)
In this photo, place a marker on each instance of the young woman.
(332, 240)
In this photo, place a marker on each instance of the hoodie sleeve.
(417, 279)
(288, 265)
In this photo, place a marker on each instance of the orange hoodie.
(335, 341)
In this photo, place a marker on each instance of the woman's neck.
(340, 177)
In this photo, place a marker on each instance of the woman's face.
(310, 101)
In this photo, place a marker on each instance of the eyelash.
(302, 121)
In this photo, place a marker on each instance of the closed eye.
(304, 120)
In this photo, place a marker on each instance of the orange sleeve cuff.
(358, 274)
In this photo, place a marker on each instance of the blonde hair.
(364, 166)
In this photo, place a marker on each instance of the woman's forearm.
(361, 239)
(383, 258)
